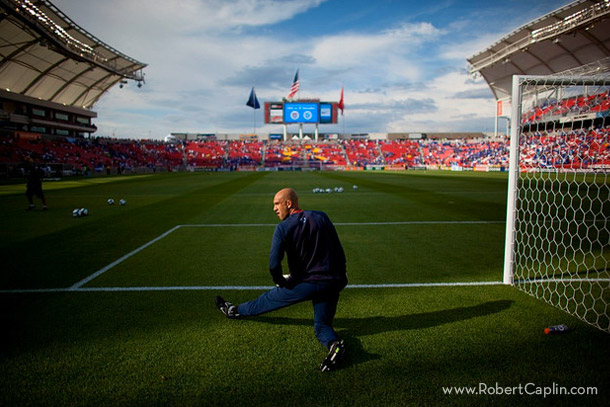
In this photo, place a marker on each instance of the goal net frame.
(557, 223)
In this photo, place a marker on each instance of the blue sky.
(402, 63)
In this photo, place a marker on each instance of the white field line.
(120, 260)
(264, 287)
(104, 269)
(424, 222)
(235, 287)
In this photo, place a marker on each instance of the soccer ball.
(110, 201)
(78, 212)
(122, 202)
(355, 187)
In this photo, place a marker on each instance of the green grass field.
(145, 331)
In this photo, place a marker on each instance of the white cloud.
(376, 54)
(466, 49)
(454, 111)
(197, 60)
(255, 12)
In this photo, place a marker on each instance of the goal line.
(235, 287)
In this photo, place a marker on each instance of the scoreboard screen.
(276, 112)
(311, 112)
(301, 113)
(326, 113)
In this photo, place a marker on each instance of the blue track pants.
(323, 295)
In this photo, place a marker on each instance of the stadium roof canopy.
(44, 54)
(574, 38)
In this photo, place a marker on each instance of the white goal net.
(558, 231)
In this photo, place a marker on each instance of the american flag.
(295, 86)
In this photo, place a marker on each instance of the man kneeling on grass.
(317, 272)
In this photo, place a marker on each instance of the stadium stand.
(579, 148)
(327, 153)
(361, 153)
(405, 152)
(207, 154)
(245, 153)
(465, 153)
(80, 155)
(575, 149)
(282, 153)
(162, 154)
(583, 104)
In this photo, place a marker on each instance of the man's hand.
(287, 282)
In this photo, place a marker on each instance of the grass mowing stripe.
(59, 184)
(418, 191)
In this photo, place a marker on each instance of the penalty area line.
(122, 259)
(236, 287)
(104, 269)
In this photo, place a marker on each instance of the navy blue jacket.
(312, 246)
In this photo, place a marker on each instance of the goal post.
(557, 244)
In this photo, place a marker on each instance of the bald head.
(285, 203)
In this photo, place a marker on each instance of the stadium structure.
(572, 40)
(52, 71)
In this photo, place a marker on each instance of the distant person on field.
(34, 187)
(316, 262)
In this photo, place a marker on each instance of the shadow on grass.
(352, 328)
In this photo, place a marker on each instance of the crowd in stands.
(86, 154)
(327, 153)
(466, 153)
(402, 152)
(361, 153)
(245, 153)
(578, 148)
(546, 109)
(277, 153)
(205, 153)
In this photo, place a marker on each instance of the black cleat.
(226, 308)
(335, 354)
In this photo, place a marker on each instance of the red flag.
(295, 86)
(340, 104)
